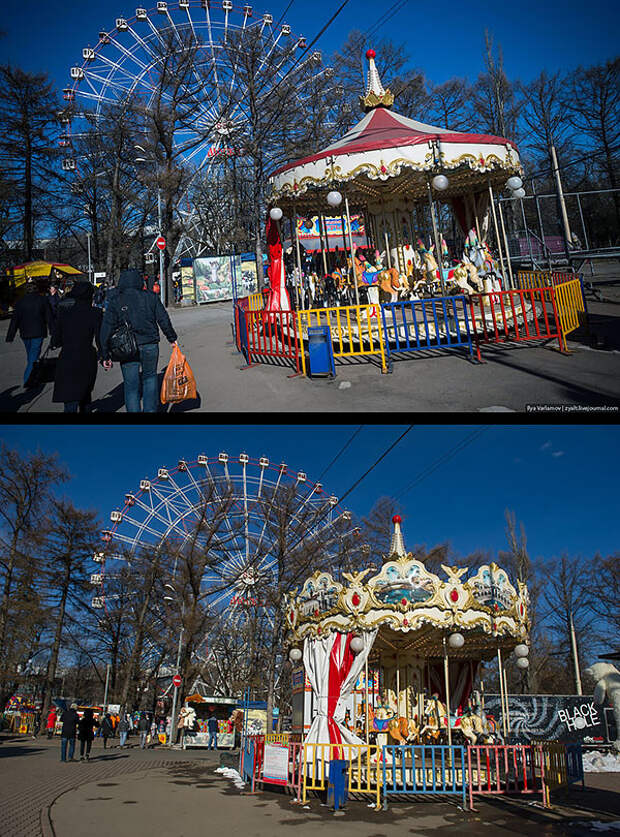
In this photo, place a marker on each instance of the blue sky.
(443, 40)
(562, 482)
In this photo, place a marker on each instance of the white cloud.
(557, 453)
(545, 446)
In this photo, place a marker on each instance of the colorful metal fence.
(363, 769)
(356, 330)
(506, 316)
(438, 323)
(419, 770)
(570, 304)
(271, 334)
(504, 768)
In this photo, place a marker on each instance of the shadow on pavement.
(603, 333)
(112, 401)
(13, 398)
(20, 750)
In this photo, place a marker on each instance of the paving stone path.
(32, 777)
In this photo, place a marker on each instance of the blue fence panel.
(423, 769)
(247, 761)
(574, 764)
(415, 325)
(243, 333)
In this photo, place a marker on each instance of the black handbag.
(43, 371)
(123, 343)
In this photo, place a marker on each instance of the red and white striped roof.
(381, 129)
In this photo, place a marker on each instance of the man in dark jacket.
(32, 316)
(212, 726)
(146, 315)
(70, 720)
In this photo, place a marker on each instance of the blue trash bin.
(320, 351)
(337, 783)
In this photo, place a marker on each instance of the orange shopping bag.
(179, 383)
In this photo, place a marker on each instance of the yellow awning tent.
(34, 270)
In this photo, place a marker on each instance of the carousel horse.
(436, 720)
(478, 254)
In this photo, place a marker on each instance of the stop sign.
(177, 680)
(160, 243)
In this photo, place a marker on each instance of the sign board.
(213, 276)
(188, 287)
(177, 680)
(552, 717)
(275, 764)
(160, 243)
(114, 708)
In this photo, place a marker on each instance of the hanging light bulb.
(334, 198)
(275, 213)
(357, 644)
(514, 182)
(521, 651)
(456, 640)
(440, 182)
(294, 655)
(518, 193)
(523, 662)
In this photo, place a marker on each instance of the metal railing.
(355, 329)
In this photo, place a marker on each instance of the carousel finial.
(397, 545)
(376, 95)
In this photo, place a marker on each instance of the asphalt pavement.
(585, 383)
(174, 793)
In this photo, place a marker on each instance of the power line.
(339, 454)
(376, 462)
(442, 459)
(387, 15)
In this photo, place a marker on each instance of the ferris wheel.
(124, 64)
(253, 493)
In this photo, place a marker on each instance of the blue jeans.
(133, 375)
(213, 740)
(63, 748)
(123, 738)
(33, 350)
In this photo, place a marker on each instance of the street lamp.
(168, 599)
(153, 159)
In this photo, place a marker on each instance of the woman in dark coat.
(86, 733)
(77, 325)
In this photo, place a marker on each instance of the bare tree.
(450, 104)
(494, 95)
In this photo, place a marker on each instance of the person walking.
(123, 730)
(145, 313)
(70, 720)
(86, 733)
(107, 730)
(51, 722)
(32, 317)
(53, 297)
(77, 324)
(143, 728)
(212, 726)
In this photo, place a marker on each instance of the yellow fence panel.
(365, 768)
(276, 738)
(554, 767)
(569, 303)
(355, 329)
(256, 302)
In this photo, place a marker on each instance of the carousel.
(397, 655)
(392, 172)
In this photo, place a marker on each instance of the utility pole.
(107, 683)
(162, 292)
(573, 645)
(558, 185)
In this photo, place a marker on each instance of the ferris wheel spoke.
(214, 62)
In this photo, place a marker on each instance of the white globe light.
(456, 640)
(518, 193)
(523, 662)
(357, 644)
(334, 198)
(294, 655)
(521, 651)
(275, 213)
(514, 182)
(580, 722)
(440, 182)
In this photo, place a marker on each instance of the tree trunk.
(28, 223)
(51, 667)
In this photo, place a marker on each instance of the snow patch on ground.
(597, 762)
(230, 773)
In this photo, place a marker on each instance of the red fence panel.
(504, 768)
(272, 334)
(516, 315)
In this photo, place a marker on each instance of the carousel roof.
(413, 607)
(386, 152)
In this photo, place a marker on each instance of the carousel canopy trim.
(405, 598)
